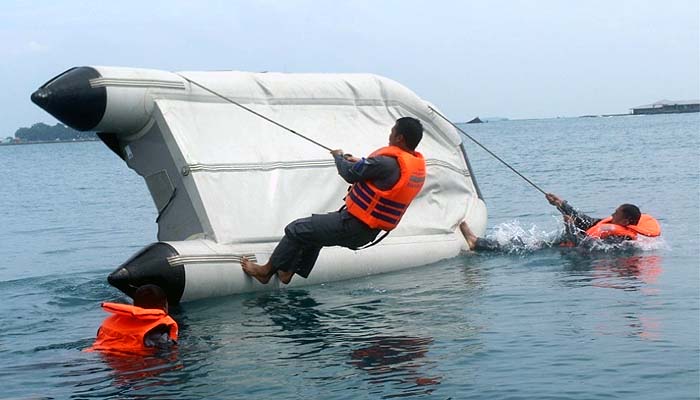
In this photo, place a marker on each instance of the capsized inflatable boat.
(225, 182)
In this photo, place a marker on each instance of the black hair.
(411, 129)
(150, 296)
(631, 212)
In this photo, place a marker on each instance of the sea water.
(532, 324)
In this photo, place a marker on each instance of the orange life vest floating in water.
(647, 226)
(127, 328)
(383, 209)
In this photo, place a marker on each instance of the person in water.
(626, 223)
(138, 327)
(383, 186)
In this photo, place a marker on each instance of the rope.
(329, 149)
(255, 112)
(488, 151)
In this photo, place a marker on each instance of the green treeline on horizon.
(44, 132)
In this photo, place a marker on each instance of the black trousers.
(571, 235)
(303, 239)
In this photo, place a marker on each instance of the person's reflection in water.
(142, 370)
(314, 330)
(633, 273)
(637, 273)
(641, 270)
(391, 357)
(622, 270)
(299, 317)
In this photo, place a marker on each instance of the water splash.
(513, 237)
(651, 243)
(643, 243)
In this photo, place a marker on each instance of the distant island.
(479, 120)
(43, 133)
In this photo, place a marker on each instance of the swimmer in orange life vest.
(626, 223)
(383, 186)
(135, 328)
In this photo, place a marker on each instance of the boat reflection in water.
(388, 358)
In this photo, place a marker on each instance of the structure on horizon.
(668, 107)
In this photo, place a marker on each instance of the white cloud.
(36, 47)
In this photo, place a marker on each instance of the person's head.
(151, 296)
(626, 214)
(406, 133)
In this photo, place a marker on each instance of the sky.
(513, 59)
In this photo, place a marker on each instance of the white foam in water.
(515, 238)
(643, 243)
(651, 243)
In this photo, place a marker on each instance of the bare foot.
(262, 273)
(284, 276)
(468, 235)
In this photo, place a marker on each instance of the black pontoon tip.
(151, 266)
(72, 99)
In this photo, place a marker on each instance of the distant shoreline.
(577, 116)
(50, 142)
(500, 119)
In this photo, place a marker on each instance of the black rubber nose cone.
(151, 265)
(119, 278)
(41, 98)
(72, 99)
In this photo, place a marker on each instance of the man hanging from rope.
(383, 186)
(625, 224)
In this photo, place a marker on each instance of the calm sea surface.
(546, 324)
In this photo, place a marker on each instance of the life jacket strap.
(376, 241)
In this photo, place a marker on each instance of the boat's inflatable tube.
(225, 182)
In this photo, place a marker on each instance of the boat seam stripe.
(298, 164)
(105, 82)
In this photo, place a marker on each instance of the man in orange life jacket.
(626, 223)
(384, 184)
(135, 328)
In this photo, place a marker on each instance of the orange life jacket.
(647, 226)
(127, 328)
(383, 209)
